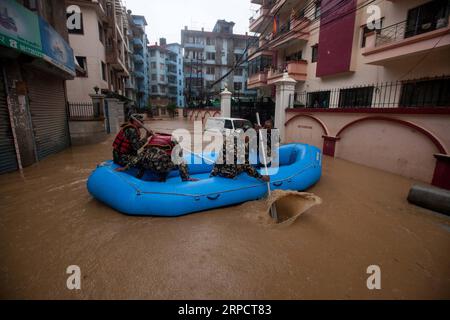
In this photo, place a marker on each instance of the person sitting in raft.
(128, 141)
(156, 157)
(231, 171)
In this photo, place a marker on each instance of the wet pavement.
(48, 221)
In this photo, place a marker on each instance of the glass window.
(314, 53)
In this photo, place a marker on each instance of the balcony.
(115, 59)
(262, 17)
(295, 69)
(296, 30)
(138, 43)
(198, 45)
(404, 39)
(257, 80)
(138, 58)
(129, 84)
(139, 75)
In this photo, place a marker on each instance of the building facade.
(103, 50)
(175, 74)
(140, 75)
(166, 75)
(372, 90)
(35, 62)
(208, 56)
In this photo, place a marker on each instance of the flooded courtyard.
(48, 221)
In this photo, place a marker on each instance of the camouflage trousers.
(159, 162)
(231, 171)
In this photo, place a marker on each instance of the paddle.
(273, 208)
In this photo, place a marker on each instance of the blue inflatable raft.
(300, 168)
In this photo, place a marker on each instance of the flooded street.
(48, 221)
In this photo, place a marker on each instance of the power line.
(239, 61)
(299, 14)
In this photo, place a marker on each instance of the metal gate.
(8, 160)
(248, 109)
(48, 113)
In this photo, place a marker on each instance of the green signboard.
(19, 28)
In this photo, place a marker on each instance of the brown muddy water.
(48, 221)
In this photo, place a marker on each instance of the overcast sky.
(166, 18)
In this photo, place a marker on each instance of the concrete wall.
(398, 145)
(87, 132)
(202, 114)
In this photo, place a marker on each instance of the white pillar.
(285, 87)
(225, 103)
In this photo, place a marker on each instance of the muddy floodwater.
(48, 221)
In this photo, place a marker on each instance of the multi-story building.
(366, 88)
(166, 74)
(175, 73)
(208, 56)
(102, 49)
(140, 74)
(35, 61)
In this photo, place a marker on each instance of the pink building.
(375, 92)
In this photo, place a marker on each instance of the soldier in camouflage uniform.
(158, 161)
(232, 170)
(128, 141)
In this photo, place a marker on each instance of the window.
(238, 86)
(153, 65)
(426, 93)
(427, 17)
(356, 97)
(153, 77)
(210, 70)
(161, 66)
(210, 56)
(162, 78)
(154, 89)
(317, 9)
(82, 62)
(319, 99)
(210, 41)
(314, 53)
(366, 31)
(74, 29)
(228, 124)
(238, 72)
(237, 57)
(259, 64)
(297, 56)
(103, 65)
(152, 53)
(101, 33)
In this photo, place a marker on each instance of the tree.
(171, 109)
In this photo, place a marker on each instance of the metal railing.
(417, 93)
(406, 29)
(84, 111)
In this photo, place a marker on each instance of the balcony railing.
(84, 111)
(138, 43)
(417, 93)
(138, 58)
(139, 74)
(404, 29)
(198, 45)
(295, 69)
